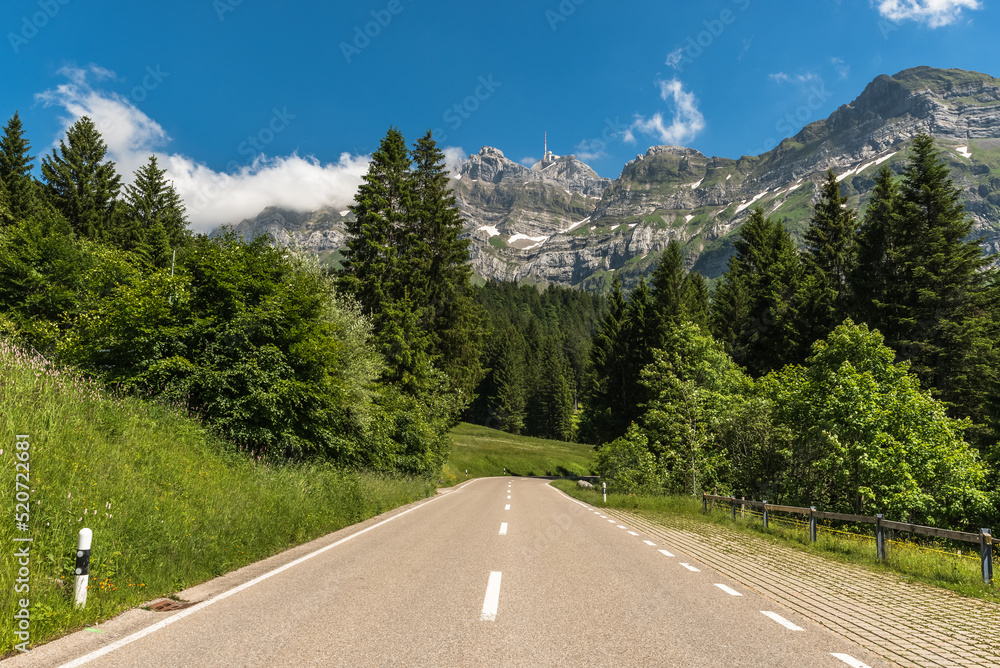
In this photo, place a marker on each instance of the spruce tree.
(506, 403)
(668, 290)
(80, 184)
(752, 314)
(436, 264)
(696, 300)
(876, 273)
(15, 169)
(946, 292)
(601, 421)
(822, 299)
(153, 220)
(372, 269)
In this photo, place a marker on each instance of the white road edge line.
(650, 543)
(612, 521)
(507, 507)
(621, 526)
(177, 616)
(492, 600)
(633, 533)
(850, 660)
(781, 620)
(503, 528)
(726, 588)
(665, 553)
(694, 570)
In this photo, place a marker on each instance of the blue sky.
(254, 102)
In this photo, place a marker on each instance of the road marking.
(781, 620)
(612, 521)
(691, 568)
(507, 507)
(633, 533)
(729, 590)
(850, 660)
(650, 543)
(604, 517)
(492, 600)
(620, 526)
(177, 616)
(503, 528)
(665, 553)
(508, 497)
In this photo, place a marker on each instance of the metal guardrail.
(984, 538)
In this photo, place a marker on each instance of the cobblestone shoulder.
(908, 623)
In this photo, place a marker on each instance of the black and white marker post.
(83, 566)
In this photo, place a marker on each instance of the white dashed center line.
(781, 620)
(508, 497)
(492, 600)
(850, 660)
(650, 543)
(503, 528)
(729, 590)
(507, 507)
(691, 568)
(665, 553)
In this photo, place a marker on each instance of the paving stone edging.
(911, 624)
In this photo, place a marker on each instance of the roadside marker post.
(879, 539)
(83, 566)
(604, 488)
(732, 507)
(986, 549)
(812, 524)
(765, 513)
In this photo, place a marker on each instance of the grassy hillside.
(487, 452)
(169, 505)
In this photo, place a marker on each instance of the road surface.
(498, 572)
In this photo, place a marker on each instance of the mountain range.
(558, 222)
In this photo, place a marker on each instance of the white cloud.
(687, 123)
(213, 198)
(454, 156)
(528, 161)
(591, 149)
(675, 57)
(935, 13)
(781, 77)
(843, 69)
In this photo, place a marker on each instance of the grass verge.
(930, 563)
(487, 452)
(169, 505)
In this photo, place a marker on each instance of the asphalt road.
(500, 572)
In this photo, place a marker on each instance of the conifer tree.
(372, 269)
(668, 290)
(877, 271)
(506, 403)
(601, 422)
(752, 314)
(946, 289)
(436, 262)
(80, 184)
(153, 220)
(696, 300)
(822, 299)
(552, 401)
(15, 169)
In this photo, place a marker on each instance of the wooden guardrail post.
(812, 524)
(879, 539)
(986, 551)
(765, 513)
(732, 504)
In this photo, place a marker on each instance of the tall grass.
(169, 505)
(954, 566)
(487, 452)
